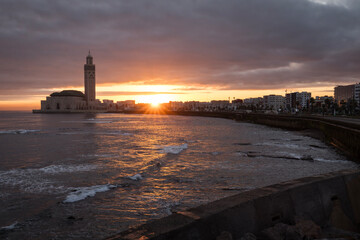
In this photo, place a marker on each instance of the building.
(89, 80)
(357, 93)
(73, 100)
(253, 101)
(344, 93)
(64, 100)
(176, 105)
(274, 101)
(290, 101)
(303, 99)
(319, 101)
(125, 105)
(297, 100)
(219, 104)
(237, 101)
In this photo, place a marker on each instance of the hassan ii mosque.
(75, 101)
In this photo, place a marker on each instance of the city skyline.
(193, 50)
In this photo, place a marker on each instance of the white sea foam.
(174, 149)
(12, 226)
(242, 154)
(93, 120)
(136, 177)
(18, 131)
(294, 155)
(283, 145)
(327, 161)
(38, 180)
(55, 169)
(84, 192)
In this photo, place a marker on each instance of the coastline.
(226, 124)
(344, 136)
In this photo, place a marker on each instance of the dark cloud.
(233, 44)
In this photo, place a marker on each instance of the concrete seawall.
(344, 136)
(329, 199)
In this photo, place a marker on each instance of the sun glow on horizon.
(155, 100)
(153, 94)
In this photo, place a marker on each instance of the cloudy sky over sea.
(181, 50)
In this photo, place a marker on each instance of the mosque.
(76, 101)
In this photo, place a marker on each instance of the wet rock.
(248, 236)
(307, 158)
(282, 231)
(308, 229)
(224, 236)
(243, 144)
(316, 146)
(334, 233)
(338, 218)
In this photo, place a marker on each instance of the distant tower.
(89, 79)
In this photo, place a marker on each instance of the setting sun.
(155, 100)
(155, 104)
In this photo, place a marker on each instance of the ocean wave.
(19, 131)
(283, 145)
(174, 149)
(328, 161)
(93, 120)
(10, 227)
(83, 192)
(136, 177)
(54, 169)
(36, 180)
(121, 133)
(29, 181)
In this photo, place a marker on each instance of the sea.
(89, 176)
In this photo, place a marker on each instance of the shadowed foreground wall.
(311, 198)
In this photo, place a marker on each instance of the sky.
(164, 50)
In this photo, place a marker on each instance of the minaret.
(89, 79)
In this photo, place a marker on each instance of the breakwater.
(344, 136)
(331, 199)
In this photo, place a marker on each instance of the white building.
(219, 104)
(303, 99)
(176, 106)
(274, 101)
(126, 105)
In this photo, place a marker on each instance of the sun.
(156, 100)
(155, 104)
